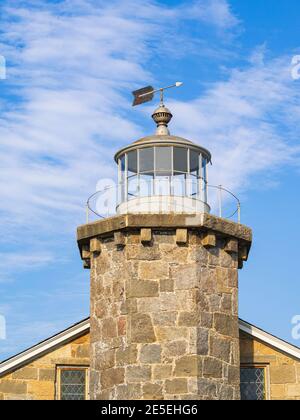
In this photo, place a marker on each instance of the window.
(194, 163)
(146, 159)
(180, 159)
(163, 159)
(253, 383)
(72, 383)
(132, 162)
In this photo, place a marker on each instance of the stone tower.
(164, 279)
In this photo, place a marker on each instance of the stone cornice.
(208, 224)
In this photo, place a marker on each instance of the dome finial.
(162, 116)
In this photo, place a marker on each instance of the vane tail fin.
(143, 95)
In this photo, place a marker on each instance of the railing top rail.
(220, 188)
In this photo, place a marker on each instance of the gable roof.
(270, 339)
(50, 344)
(83, 327)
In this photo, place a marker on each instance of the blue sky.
(66, 108)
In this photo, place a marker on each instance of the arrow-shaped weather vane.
(146, 94)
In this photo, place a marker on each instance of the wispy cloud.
(250, 122)
(215, 12)
(70, 66)
(18, 263)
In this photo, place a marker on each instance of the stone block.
(181, 236)
(152, 391)
(171, 253)
(146, 235)
(278, 391)
(128, 392)
(104, 359)
(95, 245)
(109, 328)
(153, 270)
(233, 375)
(212, 368)
(171, 333)
(47, 374)
(175, 348)
(128, 306)
(185, 276)
(119, 238)
(121, 325)
(231, 246)
(150, 353)
(41, 390)
(243, 253)
(203, 387)
(25, 373)
(176, 386)
(143, 288)
(226, 325)
(8, 386)
(199, 341)
(166, 285)
(138, 373)
(206, 319)
(187, 366)
(188, 319)
(85, 253)
(207, 280)
(126, 356)
(284, 374)
(227, 392)
(220, 348)
(149, 304)
(141, 329)
(226, 303)
(106, 394)
(162, 371)
(166, 319)
(83, 351)
(101, 308)
(186, 300)
(146, 253)
(209, 240)
(112, 377)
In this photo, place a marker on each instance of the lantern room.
(162, 173)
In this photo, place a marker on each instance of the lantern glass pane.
(180, 159)
(163, 159)
(146, 159)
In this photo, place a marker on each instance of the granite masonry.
(164, 306)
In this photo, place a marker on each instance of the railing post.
(220, 200)
(87, 213)
(239, 212)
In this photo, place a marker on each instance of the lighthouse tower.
(164, 278)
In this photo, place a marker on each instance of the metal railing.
(108, 200)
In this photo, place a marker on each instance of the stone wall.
(164, 315)
(282, 370)
(37, 380)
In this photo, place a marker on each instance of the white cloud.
(214, 12)
(13, 262)
(250, 122)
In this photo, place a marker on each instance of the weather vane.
(146, 94)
